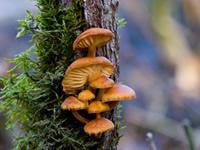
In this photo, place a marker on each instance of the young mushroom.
(98, 126)
(97, 107)
(102, 82)
(86, 95)
(72, 103)
(91, 39)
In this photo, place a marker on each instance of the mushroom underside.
(77, 78)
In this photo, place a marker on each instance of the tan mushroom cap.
(102, 82)
(118, 92)
(92, 37)
(85, 69)
(72, 103)
(86, 95)
(98, 126)
(98, 107)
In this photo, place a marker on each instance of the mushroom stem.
(92, 51)
(98, 135)
(100, 94)
(90, 88)
(98, 115)
(86, 103)
(79, 117)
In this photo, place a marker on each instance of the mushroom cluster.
(87, 79)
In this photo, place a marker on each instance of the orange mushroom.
(98, 126)
(72, 103)
(118, 92)
(102, 82)
(85, 69)
(86, 95)
(91, 39)
(98, 107)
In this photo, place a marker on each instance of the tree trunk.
(102, 13)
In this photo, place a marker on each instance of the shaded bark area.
(102, 13)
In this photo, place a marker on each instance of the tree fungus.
(88, 78)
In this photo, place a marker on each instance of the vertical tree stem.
(102, 13)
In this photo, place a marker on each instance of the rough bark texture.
(102, 13)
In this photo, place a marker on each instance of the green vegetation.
(121, 22)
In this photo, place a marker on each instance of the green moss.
(32, 93)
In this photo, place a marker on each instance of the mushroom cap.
(86, 95)
(92, 36)
(102, 82)
(98, 107)
(118, 92)
(85, 69)
(98, 126)
(72, 103)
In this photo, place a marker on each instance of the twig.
(149, 138)
(188, 132)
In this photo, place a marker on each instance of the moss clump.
(31, 97)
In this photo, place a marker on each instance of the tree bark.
(102, 13)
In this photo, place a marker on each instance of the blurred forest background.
(159, 58)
